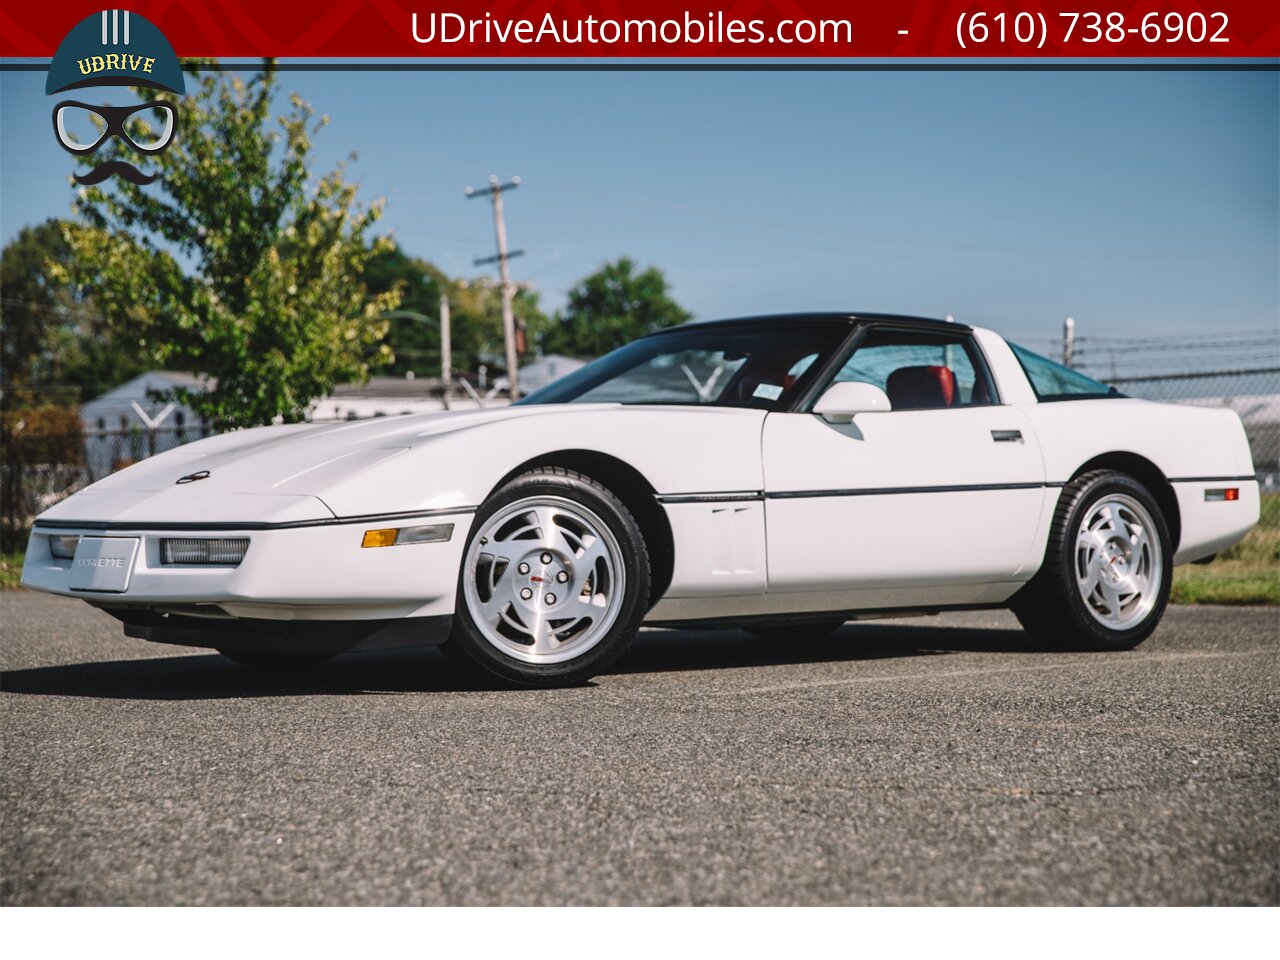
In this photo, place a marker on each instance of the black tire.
(795, 631)
(469, 648)
(1051, 608)
(271, 661)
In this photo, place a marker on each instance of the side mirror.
(843, 401)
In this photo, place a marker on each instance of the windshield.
(1053, 381)
(759, 365)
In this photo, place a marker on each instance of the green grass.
(10, 570)
(1249, 572)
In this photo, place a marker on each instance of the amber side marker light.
(1223, 493)
(401, 536)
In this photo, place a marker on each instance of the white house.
(125, 424)
(392, 396)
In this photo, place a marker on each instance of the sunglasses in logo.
(83, 127)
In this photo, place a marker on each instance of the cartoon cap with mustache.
(114, 48)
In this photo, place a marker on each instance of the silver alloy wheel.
(544, 580)
(1118, 562)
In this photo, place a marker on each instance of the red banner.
(773, 29)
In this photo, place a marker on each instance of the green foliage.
(11, 570)
(1226, 588)
(475, 309)
(237, 264)
(54, 344)
(42, 450)
(612, 307)
(1249, 572)
(414, 342)
(46, 434)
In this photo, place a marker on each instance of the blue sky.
(1141, 203)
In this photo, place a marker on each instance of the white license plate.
(103, 564)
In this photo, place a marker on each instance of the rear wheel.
(274, 662)
(554, 582)
(1105, 580)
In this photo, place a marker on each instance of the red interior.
(921, 388)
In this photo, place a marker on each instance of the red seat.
(921, 388)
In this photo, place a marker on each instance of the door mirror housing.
(843, 401)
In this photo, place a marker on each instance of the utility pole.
(494, 192)
(1068, 341)
(446, 343)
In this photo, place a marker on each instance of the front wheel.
(1107, 571)
(554, 582)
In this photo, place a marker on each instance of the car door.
(946, 488)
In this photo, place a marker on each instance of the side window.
(1053, 381)
(921, 370)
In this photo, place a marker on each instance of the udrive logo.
(123, 49)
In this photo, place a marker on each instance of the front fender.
(677, 450)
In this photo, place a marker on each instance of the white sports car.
(783, 474)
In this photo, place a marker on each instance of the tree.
(612, 307)
(55, 346)
(414, 343)
(237, 264)
(475, 308)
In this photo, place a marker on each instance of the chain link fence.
(39, 468)
(1253, 394)
(1239, 370)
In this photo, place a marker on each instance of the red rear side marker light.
(1223, 493)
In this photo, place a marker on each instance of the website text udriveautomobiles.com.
(688, 28)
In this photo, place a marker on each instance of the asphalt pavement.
(939, 760)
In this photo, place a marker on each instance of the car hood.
(305, 458)
(423, 462)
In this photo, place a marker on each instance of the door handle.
(1006, 436)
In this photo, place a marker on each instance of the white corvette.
(782, 474)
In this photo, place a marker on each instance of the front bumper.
(293, 573)
(282, 636)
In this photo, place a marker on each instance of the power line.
(1202, 375)
(1184, 338)
(1086, 347)
(51, 308)
(1240, 338)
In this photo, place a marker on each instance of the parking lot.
(931, 761)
